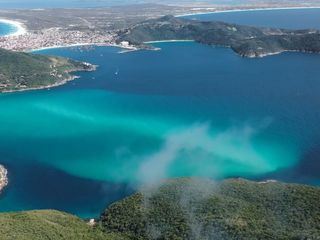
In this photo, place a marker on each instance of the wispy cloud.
(208, 153)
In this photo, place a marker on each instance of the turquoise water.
(188, 110)
(6, 29)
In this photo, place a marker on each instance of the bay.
(187, 110)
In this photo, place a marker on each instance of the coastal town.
(55, 37)
(74, 27)
(51, 28)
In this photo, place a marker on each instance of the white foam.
(20, 29)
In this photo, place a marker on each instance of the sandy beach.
(164, 41)
(20, 29)
(129, 48)
(62, 46)
(245, 10)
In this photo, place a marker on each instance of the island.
(246, 41)
(26, 71)
(3, 177)
(185, 208)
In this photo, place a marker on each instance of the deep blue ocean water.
(187, 110)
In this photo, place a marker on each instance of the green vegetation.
(233, 209)
(180, 209)
(49, 224)
(21, 71)
(245, 40)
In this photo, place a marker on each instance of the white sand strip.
(168, 41)
(245, 10)
(20, 29)
(62, 46)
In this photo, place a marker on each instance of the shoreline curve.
(20, 28)
(246, 10)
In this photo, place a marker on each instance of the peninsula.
(244, 40)
(26, 71)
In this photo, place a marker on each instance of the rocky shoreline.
(3, 177)
(247, 41)
(61, 78)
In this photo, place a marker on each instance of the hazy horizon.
(108, 3)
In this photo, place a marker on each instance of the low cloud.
(206, 152)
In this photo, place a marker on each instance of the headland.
(42, 71)
(3, 177)
(247, 41)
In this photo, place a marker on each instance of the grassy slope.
(48, 224)
(25, 70)
(234, 209)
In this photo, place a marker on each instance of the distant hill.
(245, 40)
(49, 224)
(21, 71)
(234, 209)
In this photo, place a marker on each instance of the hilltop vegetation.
(49, 224)
(180, 209)
(245, 40)
(21, 71)
(233, 209)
